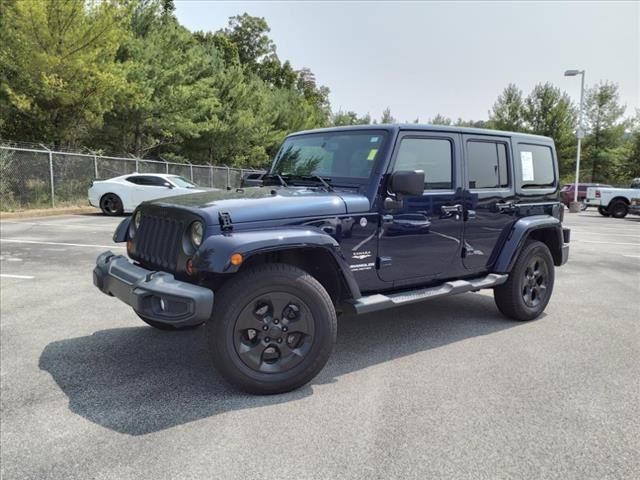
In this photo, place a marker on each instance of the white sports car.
(123, 194)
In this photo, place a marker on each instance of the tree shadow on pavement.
(140, 380)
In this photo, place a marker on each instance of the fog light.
(163, 305)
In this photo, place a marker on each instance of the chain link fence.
(32, 178)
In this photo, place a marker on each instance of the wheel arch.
(618, 198)
(318, 262)
(313, 251)
(543, 228)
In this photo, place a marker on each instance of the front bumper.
(154, 295)
(566, 238)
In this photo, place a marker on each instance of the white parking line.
(607, 233)
(62, 225)
(632, 256)
(607, 243)
(6, 240)
(7, 275)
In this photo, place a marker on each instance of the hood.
(269, 203)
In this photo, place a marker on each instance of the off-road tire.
(618, 209)
(164, 326)
(510, 297)
(111, 205)
(244, 297)
(604, 212)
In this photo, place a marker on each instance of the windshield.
(329, 155)
(182, 182)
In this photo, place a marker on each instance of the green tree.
(603, 147)
(548, 111)
(507, 112)
(440, 120)
(341, 118)
(250, 35)
(387, 117)
(169, 91)
(57, 71)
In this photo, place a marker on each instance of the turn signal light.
(129, 246)
(236, 259)
(190, 270)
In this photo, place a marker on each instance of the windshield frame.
(335, 180)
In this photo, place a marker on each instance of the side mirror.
(168, 185)
(407, 182)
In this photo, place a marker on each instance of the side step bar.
(379, 301)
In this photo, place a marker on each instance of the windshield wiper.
(277, 177)
(317, 178)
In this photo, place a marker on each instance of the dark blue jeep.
(353, 219)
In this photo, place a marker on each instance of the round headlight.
(136, 220)
(134, 225)
(197, 230)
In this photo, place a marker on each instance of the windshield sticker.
(372, 154)
(373, 140)
(526, 158)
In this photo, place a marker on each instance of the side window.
(149, 181)
(433, 155)
(487, 164)
(537, 166)
(135, 180)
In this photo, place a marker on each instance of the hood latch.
(225, 221)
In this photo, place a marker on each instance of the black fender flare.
(122, 230)
(214, 255)
(520, 232)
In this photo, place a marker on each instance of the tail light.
(597, 193)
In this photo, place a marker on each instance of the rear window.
(487, 164)
(536, 166)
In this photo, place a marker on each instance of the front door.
(421, 239)
(150, 188)
(489, 202)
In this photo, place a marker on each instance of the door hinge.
(382, 262)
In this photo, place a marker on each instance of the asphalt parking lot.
(445, 389)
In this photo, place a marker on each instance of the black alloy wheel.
(272, 329)
(527, 291)
(111, 205)
(618, 209)
(274, 332)
(534, 289)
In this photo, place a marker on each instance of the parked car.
(123, 194)
(567, 192)
(634, 206)
(613, 201)
(351, 219)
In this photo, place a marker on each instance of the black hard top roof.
(426, 127)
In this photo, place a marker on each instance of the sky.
(424, 58)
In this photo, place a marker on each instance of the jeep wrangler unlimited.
(352, 219)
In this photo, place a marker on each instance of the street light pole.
(579, 134)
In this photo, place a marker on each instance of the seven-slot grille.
(157, 241)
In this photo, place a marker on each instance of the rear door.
(421, 239)
(489, 198)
